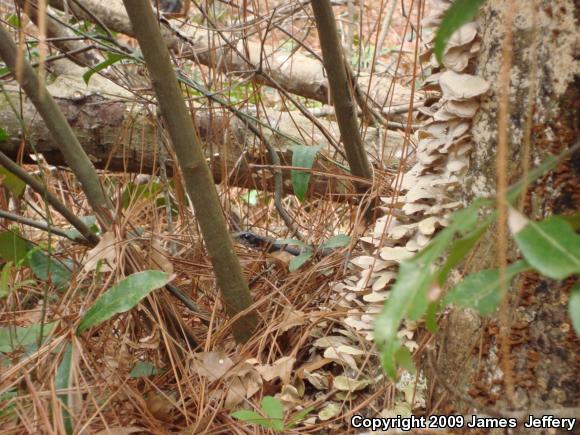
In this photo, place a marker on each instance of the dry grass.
(100, 394)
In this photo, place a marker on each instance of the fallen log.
(294, 72)
(122, 134)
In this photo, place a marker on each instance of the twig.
(40, 188)
(59, 128)
(40, 225)
(501, 159)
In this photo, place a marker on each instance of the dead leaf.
(212, 365)
(344, 383)
(158, 258)
(332, 354)
(331, 410)
(282, 368)
(236, 392)
(160, 405)
(104, 250)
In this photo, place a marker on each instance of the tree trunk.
(543, 346)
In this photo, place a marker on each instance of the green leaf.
(14, 184)
(482, 290)
(431, 317)
(299, 260)
(123, 296)
(405, 359)
(5, 289)
(551, 247)
(46, 268)
(13, 20)
(408, 299)
(252, 417)
(13, 247)
(3, 135)
(272, 407)
(144, 368)
(459, 250)
(574, 307)
(13, 338)
(134, 192)
(62, 382)
(460, 13)
(298, 417)
(302, 157)
(111, 59)
(250, 197)
(338, 241)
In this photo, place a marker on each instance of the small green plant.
(550, 247)
(271, 415)
(122, 297)
(302, 157)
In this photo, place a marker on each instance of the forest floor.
(313, 353)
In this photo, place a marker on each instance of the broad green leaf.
(5, 289)
(14, 184)
(431, 316)
(405, 359)
(272, 407)
(408, 299)
(459, 250)
(3, 135)
(13, 338)
(252, 417)
(574, 307)
(144, 368)
(46, 268)
(62, 382)
(123, 296)
(13, 20)
(482, 290)
(551, 247)
(464, 220)
(111, 59)
(134, 192)
(460, 13)
(299, 260)
(13, 247)
(302, 157)
(338, 241)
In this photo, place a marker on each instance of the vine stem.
(502, 204)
